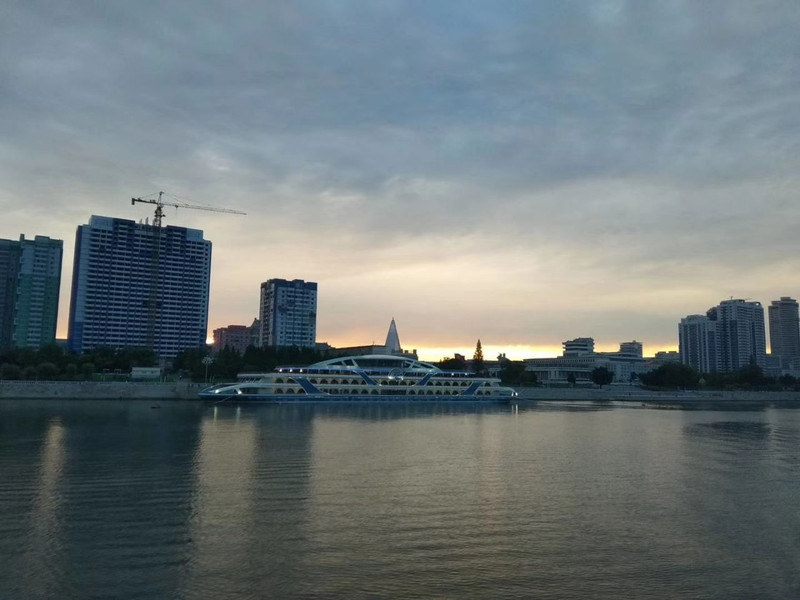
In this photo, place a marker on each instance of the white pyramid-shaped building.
(391, 347)
(393, 340)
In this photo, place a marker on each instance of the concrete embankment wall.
(635, 394)
(184, 390)
(99, 390)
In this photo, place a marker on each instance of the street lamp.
(207, 361)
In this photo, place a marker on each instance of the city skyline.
(522, 174)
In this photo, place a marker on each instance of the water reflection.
(107, 499)
(749, 430)
(251, 469)
(376, 411)
(222, 498)
(111, 495)
(45, 525)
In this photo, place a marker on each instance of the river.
(133, 499)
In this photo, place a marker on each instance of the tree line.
(226, 364)
(54, 363)
(673, 375)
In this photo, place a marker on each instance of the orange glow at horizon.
(491, 351)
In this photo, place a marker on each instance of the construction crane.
(161, 203)
(152, 301)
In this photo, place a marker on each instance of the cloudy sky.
(519, 172)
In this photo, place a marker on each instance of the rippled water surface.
(120, 499)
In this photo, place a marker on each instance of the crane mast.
(152, 301)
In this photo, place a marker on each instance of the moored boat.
(369, 378)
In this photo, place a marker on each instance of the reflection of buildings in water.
(222, 497)
(745, 430)
(43, 545)
(435, 474)
(125, 497)
(251, 472)
(386, 411)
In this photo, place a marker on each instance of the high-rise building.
(784, 328)
(578, 347)
(255, 333)
(697, 339)
(10, 252)
(730, 336)
(741, 339)
(631, 349)
(234, 337)
(288, 313)
(136, 285)
(30, 280)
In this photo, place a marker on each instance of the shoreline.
(186, 390)
(99, 390)
(688, 398)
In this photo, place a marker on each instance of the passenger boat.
(370, 378)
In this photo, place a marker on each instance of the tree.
(47, 371)
(191, 361)
(227, 364)
(10, 371)
(571, 379)
(477, 359)
(87, 370)
(750, 376)
(70, 371)
(672, 375)
(512, 372)
(135, 357)
(602, 376)
(51, 353)
(457, 363)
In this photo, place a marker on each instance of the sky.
(522, 173)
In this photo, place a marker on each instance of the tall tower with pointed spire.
(391, 347)
(393, 340)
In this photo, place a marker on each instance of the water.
(117, 499)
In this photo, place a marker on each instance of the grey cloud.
(521, 92)
(626, 134)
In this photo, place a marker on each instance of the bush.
(10, 372)
(47, 371)
(87, 370)
(70, 372)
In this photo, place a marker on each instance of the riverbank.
(676, 398)
(123, 390)
(186, 390)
